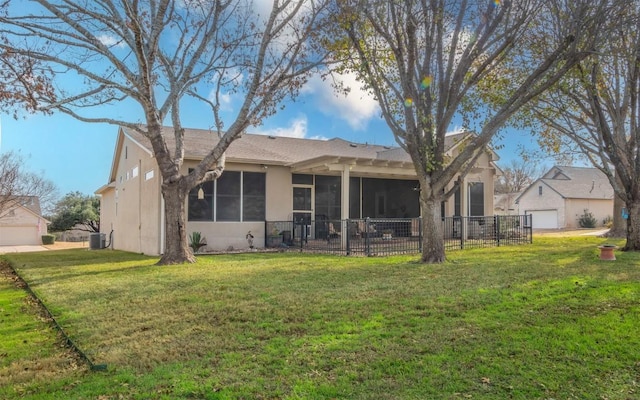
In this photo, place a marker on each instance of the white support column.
(464, 208)
(344, 205)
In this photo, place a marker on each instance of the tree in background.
(18, 185)
(76, 211)
(152, 55)
(433, 65)
(595, 112)
(517, 176)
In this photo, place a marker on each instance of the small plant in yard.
(196, 241)
(587, 220)
(48, 239)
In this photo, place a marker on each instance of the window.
(253, 196)
(228, 197)
(235, 196)
(201, 209)
(300, 179)
(539, 190)
(354, 198)
(134, 172)
(476, 199)
(301, 198)
(328, 196)
(148, 175)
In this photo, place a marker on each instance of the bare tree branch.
(154, 55)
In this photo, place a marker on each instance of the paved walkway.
(571, 232)
(21, 249)
(55, 246)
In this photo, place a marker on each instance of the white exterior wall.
(21, 227)
(600, 209)
(107, 211)
(279, 194)
(131, 208)
(549, 200)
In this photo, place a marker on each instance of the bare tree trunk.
(176, 249)
(432, 236)
(633, 227)
(619, 227)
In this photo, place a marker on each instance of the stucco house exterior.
(561, 196)
(270, 178)
(21, 223)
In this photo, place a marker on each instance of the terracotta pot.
(606, 252)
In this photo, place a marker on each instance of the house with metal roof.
(562, 195)
(269, 178)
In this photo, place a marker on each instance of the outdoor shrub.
(607, 222)
(587, 220)
(196, 240)
(48, 239)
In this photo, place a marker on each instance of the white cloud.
(109, 40)
(296, 129)
(356, 108)
(231, 78)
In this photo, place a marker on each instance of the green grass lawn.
(542, 321)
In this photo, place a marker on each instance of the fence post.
(302, 228)
(497, 229)
(420, 234)
(345, 231)
(367, 237)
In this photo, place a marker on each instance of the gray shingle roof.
(280, 150)
(578, 182)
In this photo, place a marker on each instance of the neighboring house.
(270, 178)
(505, 204)
(561, 196)
(21, 223)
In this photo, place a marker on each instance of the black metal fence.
(387, 236)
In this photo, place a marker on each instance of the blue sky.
(77, 156)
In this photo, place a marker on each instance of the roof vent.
(353, 145)
(387, 147)
(271, 137)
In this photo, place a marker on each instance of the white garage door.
(544, 219)
(19, 235)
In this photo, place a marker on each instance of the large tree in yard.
(595, 110)
(22, 79)
(151, 55)
(435, 64)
